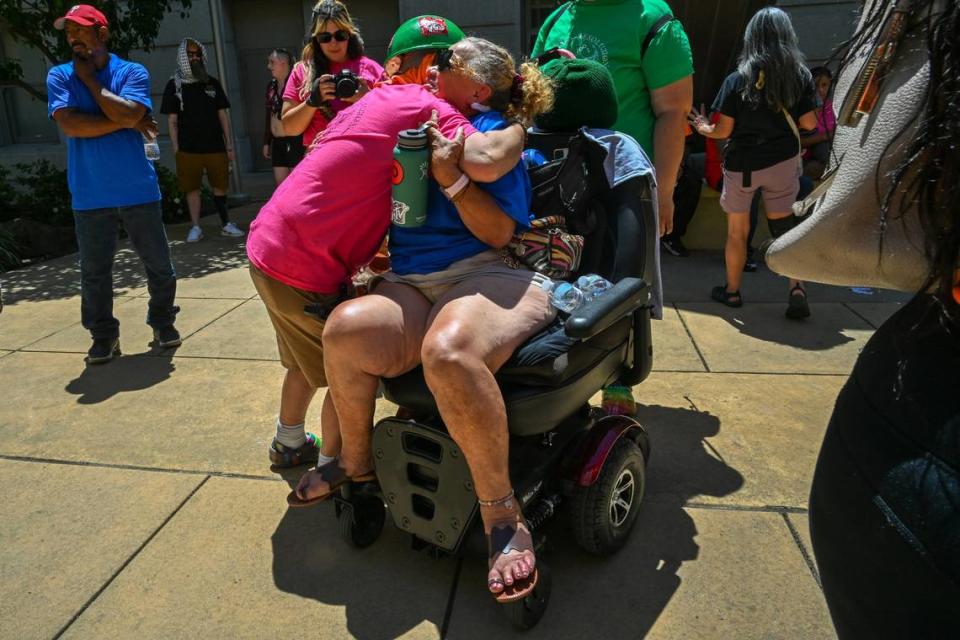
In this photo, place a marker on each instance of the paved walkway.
(137, 499)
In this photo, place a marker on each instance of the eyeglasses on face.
(339, 35)
(444, 60)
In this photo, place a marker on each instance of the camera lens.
(346, 84)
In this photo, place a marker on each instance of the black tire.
(361, 521)
(526, 613)
(600, 526)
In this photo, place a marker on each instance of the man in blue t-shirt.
(102, 105)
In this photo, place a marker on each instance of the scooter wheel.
(603, 514)
(526, 613)
(361, 520)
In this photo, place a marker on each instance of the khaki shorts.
(433, 285)
(778, 184)
(299, 336)
(190, 168)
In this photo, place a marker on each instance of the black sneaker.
(675, 247)
(103, 350)
(167, 337)
(797, 307)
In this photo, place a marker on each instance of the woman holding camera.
(311, 99)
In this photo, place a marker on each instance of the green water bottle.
(411, 160)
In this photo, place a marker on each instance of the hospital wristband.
(454, 190)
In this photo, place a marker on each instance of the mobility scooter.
(565, 456)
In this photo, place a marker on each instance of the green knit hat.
(583, 96)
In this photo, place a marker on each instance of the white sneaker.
(231, 230)
(195, 234)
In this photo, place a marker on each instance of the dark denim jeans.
(97, 233)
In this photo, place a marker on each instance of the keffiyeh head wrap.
(184, 74)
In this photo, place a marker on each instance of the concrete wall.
(496, 20)
(821, 25)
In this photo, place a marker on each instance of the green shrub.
(42, 193)
(9, 258)
(171, 200)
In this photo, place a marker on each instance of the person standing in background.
(282, 150)
(335, 45)
(648, 54)
(102, 105)
(196, 108)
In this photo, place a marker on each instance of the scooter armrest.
(621, 300)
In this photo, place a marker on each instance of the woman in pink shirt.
(816, 147)
(335, 44)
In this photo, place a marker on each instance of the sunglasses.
(444, 60)
(339, 35)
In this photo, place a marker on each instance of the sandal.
(335, 477)
(797, 307)
(729, 298)
(508, 533)
(284, 457)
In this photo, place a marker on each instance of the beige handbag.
(845, 240)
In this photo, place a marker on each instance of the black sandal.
(729, 298)
(504, 536)
(797, 307)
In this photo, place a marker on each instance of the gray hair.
(771, 64)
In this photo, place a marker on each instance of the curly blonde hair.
(520, 96)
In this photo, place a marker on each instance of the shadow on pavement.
(812, 334)
(60, 278)
(97, 383)
(385, 590)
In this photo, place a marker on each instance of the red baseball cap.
(83, 14)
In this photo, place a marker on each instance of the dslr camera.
(346, 84)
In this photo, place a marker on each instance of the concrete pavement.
(138, 500)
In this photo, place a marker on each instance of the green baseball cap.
(424, 32)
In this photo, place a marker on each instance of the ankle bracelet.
(498, 502)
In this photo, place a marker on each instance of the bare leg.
(735, 252)
(280, 174)
(470, 336)
(373, 336)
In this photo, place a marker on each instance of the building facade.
(239, 35)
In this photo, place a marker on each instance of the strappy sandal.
(797, 306)
(509, 534)
(335, 477)
(729, 298)
(284, 457)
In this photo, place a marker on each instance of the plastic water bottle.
(564, 296)
(533, 158)
(411, 160)
(593, 286)
(151, 149)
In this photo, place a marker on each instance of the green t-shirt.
(612, 32)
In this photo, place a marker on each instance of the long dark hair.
(312, 55)
(927, 179)
(771, 65)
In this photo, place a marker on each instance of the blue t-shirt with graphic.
(444, 239)
(111, 170)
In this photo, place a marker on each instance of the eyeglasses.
(444, 59)
(339, 35)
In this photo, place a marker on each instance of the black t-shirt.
(761, 136)
(199, 127)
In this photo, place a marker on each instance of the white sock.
(291, 436)
(322, 459)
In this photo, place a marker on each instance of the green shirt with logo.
(612, 32)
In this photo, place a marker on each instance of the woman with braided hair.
(335, 45)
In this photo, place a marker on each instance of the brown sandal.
(504, 536)
(335, 477)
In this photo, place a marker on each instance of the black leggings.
(877, 580)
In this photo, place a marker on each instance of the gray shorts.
(779, 185)
(433, 285)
